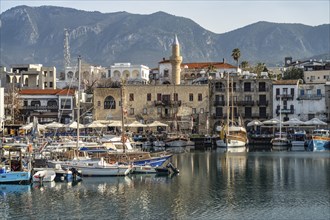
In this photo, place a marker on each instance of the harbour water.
(254, 185)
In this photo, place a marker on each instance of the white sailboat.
(86, 165)
(280, 141)
(233, 136)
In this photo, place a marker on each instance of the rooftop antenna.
(66, 49)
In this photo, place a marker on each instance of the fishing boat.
(280, 141)
(14, 171)
(298, 141)
(233, 136)
(320, 140)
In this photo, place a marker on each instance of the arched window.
(52, 103)
(109, 103)
(35, 103)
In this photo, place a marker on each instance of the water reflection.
(209, 186)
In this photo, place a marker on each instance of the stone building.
(185, 105)
(249, 98)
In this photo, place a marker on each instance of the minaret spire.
(176, 60)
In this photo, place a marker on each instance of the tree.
(236, 54)
(293, 73)
(245, 65)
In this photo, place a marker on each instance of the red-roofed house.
(47, 104)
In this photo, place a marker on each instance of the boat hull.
(19, 177)
(297, 146)
(44, 176)
(105, 171)
(154, 162)
(234, 146)
(319, 144)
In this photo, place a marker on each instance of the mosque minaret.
(176, 60)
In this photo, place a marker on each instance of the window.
(262, 87)
(193, 110)
(51, 84)
(25, 103)
(159, 97)
(45, 84)
(262, 112)
(35, 103)
(65, 104)
(191, 97)
(218, 112)
(176, 97)
(52, 103)
(292, 91)
(166, 73)
(302, 92)
(109, 103)
(131, 97)
(200, 97)
(277, 92)
(149, 97)
(159, 110)
(247, 87)
(248, 112)
(285, 91)
(318, 92)
(131, 111)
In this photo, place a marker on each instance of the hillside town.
(192, 94)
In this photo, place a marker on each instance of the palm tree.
(245, 65)
(236, 54)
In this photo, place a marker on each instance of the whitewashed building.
(133, 74)
(297, 100)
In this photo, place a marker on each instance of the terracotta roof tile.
(47, 92)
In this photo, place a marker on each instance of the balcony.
(245, 103)
(31, 107)
(285, 111)
(262, 103)
(260, 115)
(219, 103)
(168, 103)
(218, 116)
(285, 97)
(263, 89)
(310, 97)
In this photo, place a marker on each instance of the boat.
(233, 135)
(178, 143)
(298, 141)
(14, 171)
(320, 140)
(280, 141)
(44, 175)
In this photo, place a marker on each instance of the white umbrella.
(54, 124)
(156, 124)
(27, 126)
(254, 123)
(293, 121)
(95, 124)
(115, 124)
(315, 121)
(75, 125)
(136, 124)
(273, 121)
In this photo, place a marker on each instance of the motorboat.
(44, 175)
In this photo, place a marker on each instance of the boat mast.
(232, 102)
(78, 103)
(122, 116)
(280, 117)
(228, 110)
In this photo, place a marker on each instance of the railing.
(263, 89)
(219, 103)
(245, 103)
(261, 116)
(30, 107)
(262, 103)
(248, 90)
(310, 97)
(167, 103)
(284, 96)
(285, 111)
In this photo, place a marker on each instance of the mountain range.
(36, 35)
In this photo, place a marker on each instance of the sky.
(218, 16)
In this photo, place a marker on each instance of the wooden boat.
(233, 136)
(320, 140)
(15, 171)
(298, 141)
